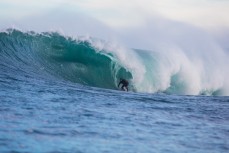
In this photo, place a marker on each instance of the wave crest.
(71, 59)
(94, 62)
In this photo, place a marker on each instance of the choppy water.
(52, 116)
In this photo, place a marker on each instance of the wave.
(74, 60)
(94, 62)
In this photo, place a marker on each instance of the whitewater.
(60, 94)
(98, 63)
(59, 88)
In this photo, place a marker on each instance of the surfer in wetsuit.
(124, 83)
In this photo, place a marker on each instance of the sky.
(207, 14)
(136, 23)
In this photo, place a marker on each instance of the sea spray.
(63, 57)
(174, 69)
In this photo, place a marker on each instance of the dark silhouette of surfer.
(124, 83)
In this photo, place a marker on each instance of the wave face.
(97, 63)
(74, 60)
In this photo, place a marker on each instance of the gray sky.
(136, 23)
(208, 14)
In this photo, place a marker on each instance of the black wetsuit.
(124, 83)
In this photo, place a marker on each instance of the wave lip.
(97, 63)
(64, 57)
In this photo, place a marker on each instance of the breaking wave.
(94, 62)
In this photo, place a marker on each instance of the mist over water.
(190, 60)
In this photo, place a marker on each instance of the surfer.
(124, 83)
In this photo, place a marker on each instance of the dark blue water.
(44, 112)
(51, 116)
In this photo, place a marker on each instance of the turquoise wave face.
(65, 58)
(88, 61)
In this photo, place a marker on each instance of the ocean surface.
(60, 94)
